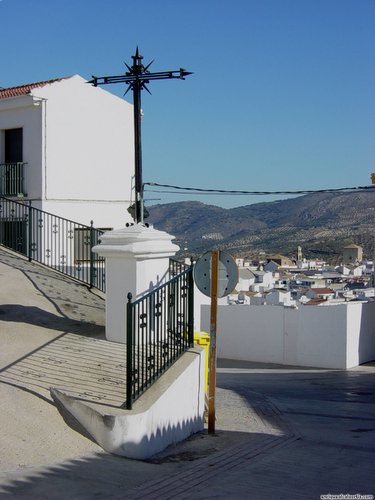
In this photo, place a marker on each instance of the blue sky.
(282, 96)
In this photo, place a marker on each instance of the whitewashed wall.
(79, 149)
(338, 336)
(104, 214)
(89, 152)
(199, 300)
(89, 136)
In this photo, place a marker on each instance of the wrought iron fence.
(64, 245)
(160, 328)
(11, 179)
(176, 267)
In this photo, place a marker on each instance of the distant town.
(279, 280)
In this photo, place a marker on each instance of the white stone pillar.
(137, 260)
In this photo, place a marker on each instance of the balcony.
(11, 179)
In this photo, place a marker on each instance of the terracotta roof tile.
(25, 89)
(322, 291)
(315, 302)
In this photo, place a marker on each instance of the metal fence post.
(129, 353)
(1, 219)
(191, 306)
(30, 231)
(91, 254)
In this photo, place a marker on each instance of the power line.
(193, 190)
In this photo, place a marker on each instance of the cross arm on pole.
(145, 77)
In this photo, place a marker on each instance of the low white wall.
(338, 336)
(199, 300)
(361, 333)
(320, 336)
(169, 412)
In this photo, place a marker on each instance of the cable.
(189, 190)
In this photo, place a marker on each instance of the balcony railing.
(11, 179)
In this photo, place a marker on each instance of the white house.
(359, 270)
(344, 270)
(279, 298)
(246, 278)
(68, 147)
(263, 281)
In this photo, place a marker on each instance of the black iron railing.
(159, 330)
(11, 179)
(176, 267)
(64, 245)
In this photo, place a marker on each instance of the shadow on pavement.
(106, 476)
(71, 299)
(39, 317)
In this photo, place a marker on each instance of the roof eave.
(21, 101)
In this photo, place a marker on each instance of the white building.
(263, 281)
(359, 270)
(344, 270)
(68, 147)
(246, 278)
(279, 298)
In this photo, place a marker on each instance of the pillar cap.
(138, 241)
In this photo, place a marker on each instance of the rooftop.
(352, 245)
(20, 90)
(315, 302)
(322, 291)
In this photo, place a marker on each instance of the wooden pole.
(213, 323)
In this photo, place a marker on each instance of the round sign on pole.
(227, 274)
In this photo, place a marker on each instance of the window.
(13, 145)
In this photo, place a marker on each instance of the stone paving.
(282, 432)
(200, 476)
(89, 369)
(76, 358)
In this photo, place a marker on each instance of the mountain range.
(321, 223)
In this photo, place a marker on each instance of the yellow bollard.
(203, 339)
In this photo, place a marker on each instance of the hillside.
(321, 223)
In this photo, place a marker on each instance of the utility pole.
(373, 257)
(137, 77)
(213, 354)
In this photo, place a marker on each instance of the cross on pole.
(136, 78)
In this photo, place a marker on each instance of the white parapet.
(137, 260)
(338, 336)
(169, 412)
